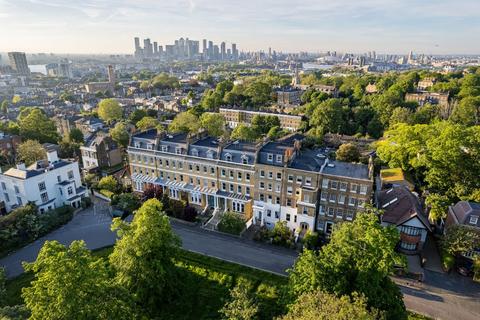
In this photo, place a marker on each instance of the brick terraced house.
(267, 182)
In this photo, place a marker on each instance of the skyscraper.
(147, 48)
(223, 53)
(234, 51)
(155, 48)
(18, 62)
(204, 47)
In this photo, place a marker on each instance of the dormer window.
(165, 148)
(150, 146)
(244, 159)
(279, 158)
(178, 150)
(195, 152)
(228, 157)
(473, 220)
(270, 157)
(137, 144)
(210, 154)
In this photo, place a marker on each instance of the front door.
(211, 201)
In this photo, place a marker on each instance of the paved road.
(440, 296)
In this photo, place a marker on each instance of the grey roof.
(346, 169)
(205, 148)
(463, 209)
(65, 182)
(35, 169)
(238, 150)
(400, 205)
(308, 160)
(148, 134)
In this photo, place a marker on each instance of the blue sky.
(108, 26)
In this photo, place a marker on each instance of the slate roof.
(400, 205)
(463, 209)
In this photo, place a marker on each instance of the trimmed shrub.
(190, 214)
(231, 223)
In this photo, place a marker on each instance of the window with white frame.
(239, 189)
(349, 215)
(270, 175)
(299, 179)
(278, 158)
(239, 175)
(290, 178)
(308, 181)
(164, 148)
(238, 206)
(261, 185)
(289, 190)
(341, 199)
(334, 185)
(279, 176)
(17, 190)
(277, 187)
(352, 201)
(44, 197)
(333, 198)
(306, 198)
(270, 157)
(473, 219)
(228, 157)
(224, 186)
(223, 172)
(343, 186)
(178, 150)
(194, 152)
(321, 210)
(70, 174)
(231, 174)
(231, 187)
(262, 174)
(325, 183)
(353, 188)
(363, 189)
(247, 191)
(70, 190)
(323, 196)
(270, 187)
(331, 212)
(244, 159)
(247, 176)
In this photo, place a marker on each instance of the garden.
(24, 225)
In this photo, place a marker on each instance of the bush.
(281, 235)
(311, 240)
(107, 193)
(175, 208)
(126, 202)
(231, 223)
(190, 214)
(108, 183)
(86, 202)
(448, 261)
(24, 225)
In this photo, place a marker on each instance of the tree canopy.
(143, 255)
(214, 123)
(147, 123)
(119, 133)
(358, 259)
(185, 122)
(110, 110)
(31, 151)
(72, 284)
(35, 125)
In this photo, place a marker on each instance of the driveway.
(441, 296)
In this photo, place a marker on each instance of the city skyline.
(108, 26)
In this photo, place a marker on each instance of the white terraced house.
(49, 184)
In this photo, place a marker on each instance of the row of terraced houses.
(266, 182)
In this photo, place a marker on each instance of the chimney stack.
(21, 166)
(52, 156)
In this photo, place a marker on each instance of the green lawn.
(203, 288)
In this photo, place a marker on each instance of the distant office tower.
(223, 52)
(216, 52)
(229, 53)
(111, 75)
(160, 50)
(210, 49)
(234, 51)
(155, 48)
(204, 46)
(147, 48)
(137, 43)
(18, 62)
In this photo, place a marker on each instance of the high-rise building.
(147, 48)
(210, 49)
(155, 48)
(223, 53)
(18, 62)
(204, 47)
(234, 51)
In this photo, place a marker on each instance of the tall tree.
(37, 126)
(318, 305)
(147, 123)
(119, 133)
(244, 132)
(348, 152)
(70, 283)
(185, 122)
(214, 123)
(30, 151)
(75, 135)
(143, 255)
(242, 304)
(110, 110)
(359, 258)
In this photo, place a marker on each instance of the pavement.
(441, 296)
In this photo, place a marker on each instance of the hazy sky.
(108, 26)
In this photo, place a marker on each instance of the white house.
(49, 183)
